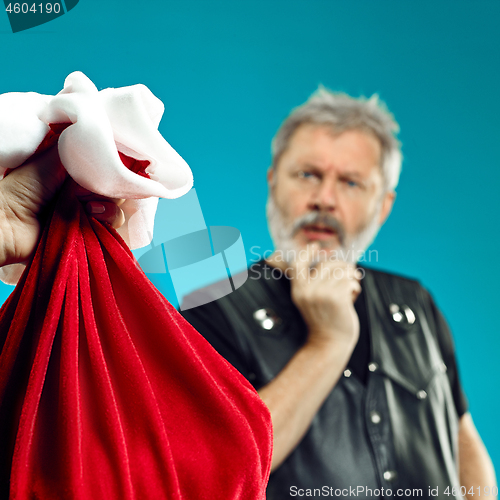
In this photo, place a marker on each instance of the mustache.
(320, 218)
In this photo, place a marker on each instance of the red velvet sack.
(106, 392)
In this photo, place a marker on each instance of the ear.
(387, 204)
(271, 177)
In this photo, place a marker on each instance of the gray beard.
(351, 248)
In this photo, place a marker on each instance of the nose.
(324, 197)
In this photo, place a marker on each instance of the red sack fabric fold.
(106, 392)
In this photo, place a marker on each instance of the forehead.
(322, 147)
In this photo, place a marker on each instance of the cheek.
(357, 213)
(292, 202)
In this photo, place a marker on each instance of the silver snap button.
(421, 394)
(373, 367)
(410, 315)
(402, 314)
(375, 417)
(390, 475)
(347, 373)
(393, 308)
(397, 317)
(260, 314)
(396, 314)
(267, 324)
(266, 318)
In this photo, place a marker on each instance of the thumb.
(35, 183)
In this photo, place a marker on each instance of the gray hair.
(342, 112)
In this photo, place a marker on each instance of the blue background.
(228, 73)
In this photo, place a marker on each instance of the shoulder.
(389, 277)
(246, 283)
(401, 283)
(224, 317)
(392, 291)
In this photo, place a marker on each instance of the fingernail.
(95, 208)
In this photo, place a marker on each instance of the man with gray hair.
(339, 113)
(357, 366)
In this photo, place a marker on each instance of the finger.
(304, 261)
(36, 181)
(81, 192)
(336, 269)
(338, 275)
(102, 199)
(313, 254)
(106, 211)
(359, 274)
(356, 290)
(85, 195)
(345, 285)
(353, 273)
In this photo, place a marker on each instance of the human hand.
(324, 293)
(102, 208)
(24, 194)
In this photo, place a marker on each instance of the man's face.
(327, 188)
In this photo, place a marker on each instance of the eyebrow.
(312, 166)
(351, 173)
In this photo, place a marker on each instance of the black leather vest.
(398, 432)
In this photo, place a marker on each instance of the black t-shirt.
(211, 322)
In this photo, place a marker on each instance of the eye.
(350, 183)
(305, 174)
